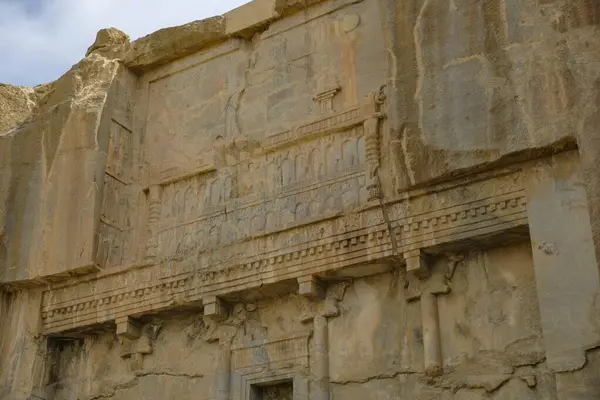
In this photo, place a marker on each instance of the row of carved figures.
(260, 219)
(189, 197)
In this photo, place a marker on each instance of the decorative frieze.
(492, 204)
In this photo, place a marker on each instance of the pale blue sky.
(42, 39)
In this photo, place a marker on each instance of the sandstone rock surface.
(324, 199)
(15, 106)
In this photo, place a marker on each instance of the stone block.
(128, 328)
(311, 287)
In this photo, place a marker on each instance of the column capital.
(311, 287)
(416, 263)
(215, 308)
(128, 328)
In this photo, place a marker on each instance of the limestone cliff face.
(51, 171)
(314, 199)
(514, 77)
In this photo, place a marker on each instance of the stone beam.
(215, 308)
(311, 287)
(129, 328)
(416, 263)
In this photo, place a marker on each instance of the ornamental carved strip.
(423, 218)
(368, 238)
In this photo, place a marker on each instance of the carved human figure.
(315, 164)
(361, 150)
(333, 159)
(349, 155)
(301, 211)
(287, 175)
(179, 204)
(216, 193)
(228, 189)
(190, 202)
(301, 168)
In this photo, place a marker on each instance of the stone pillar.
(565, 265)
(432, 352)
(425, 287)
(320, 389)
(224, 370)
(321, 333)
(154, 204)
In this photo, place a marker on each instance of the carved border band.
(487, 206)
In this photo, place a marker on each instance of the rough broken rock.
(108, 38)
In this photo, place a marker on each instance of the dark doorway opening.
(280, 390)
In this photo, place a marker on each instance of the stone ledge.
(169, 44)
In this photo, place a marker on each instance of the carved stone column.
(328, 308)
(321, 333)
(224, 370)
(432, 352)
(154, 205)
(215, 313)
(426, 288)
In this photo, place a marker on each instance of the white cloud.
(42, 39)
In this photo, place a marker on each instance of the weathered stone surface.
(169, 44)
(310, 200)
(54, 167)
(15, 106)
(107, 38)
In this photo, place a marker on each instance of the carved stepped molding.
(424, 218)
(324, 126)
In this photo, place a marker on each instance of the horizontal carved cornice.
(431, 217)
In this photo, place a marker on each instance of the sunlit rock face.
(310, 200)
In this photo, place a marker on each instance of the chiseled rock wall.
(53, 165)
(178, 213)
(492, 343)
(479, 82)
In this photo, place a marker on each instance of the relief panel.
(319, 171)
